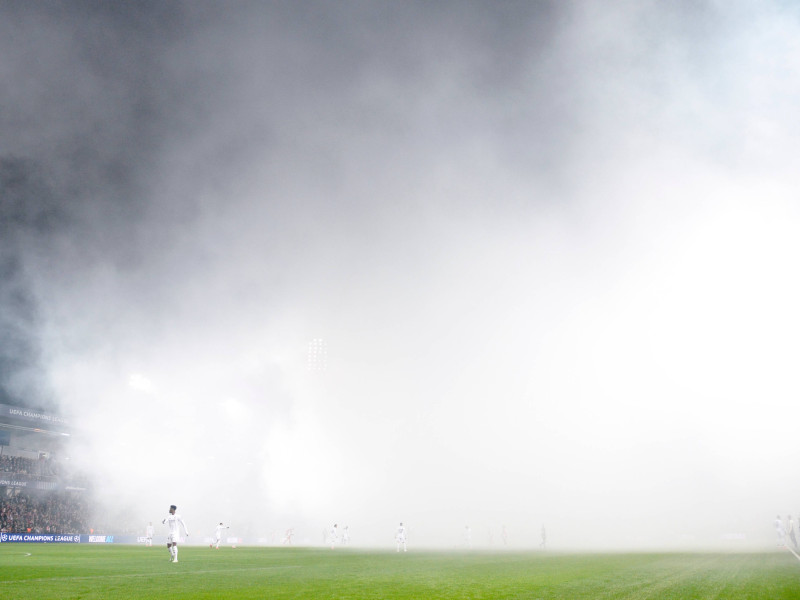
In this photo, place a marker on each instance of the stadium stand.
(38, 494)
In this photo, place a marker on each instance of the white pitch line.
(151, 574)
(796, 555)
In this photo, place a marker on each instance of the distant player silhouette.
(400, 537)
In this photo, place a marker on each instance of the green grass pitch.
(45, 571)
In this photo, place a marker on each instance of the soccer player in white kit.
(174, 522)
(218, 534)
(400, 536)
(790, 530)
(287, 539)
(334, 535)
(148, 534)
(779, 529)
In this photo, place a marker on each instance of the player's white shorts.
(173, 538)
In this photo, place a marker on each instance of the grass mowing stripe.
(150, 574)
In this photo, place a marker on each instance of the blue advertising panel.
(97, 539)
(39, 538)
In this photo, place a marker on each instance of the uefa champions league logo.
(3, 537)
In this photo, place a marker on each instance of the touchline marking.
(797, 556)
(126, 575)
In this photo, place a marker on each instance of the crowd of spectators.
(57, 512)
(42, 469)
(19, 465)
(44, 510)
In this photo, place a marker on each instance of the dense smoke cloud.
(549, 248)
(28, 215)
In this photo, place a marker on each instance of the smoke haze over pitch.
(550, 250)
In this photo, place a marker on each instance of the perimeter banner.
(31, 482)
(63, 538)
(39, 538)
(37, 417)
